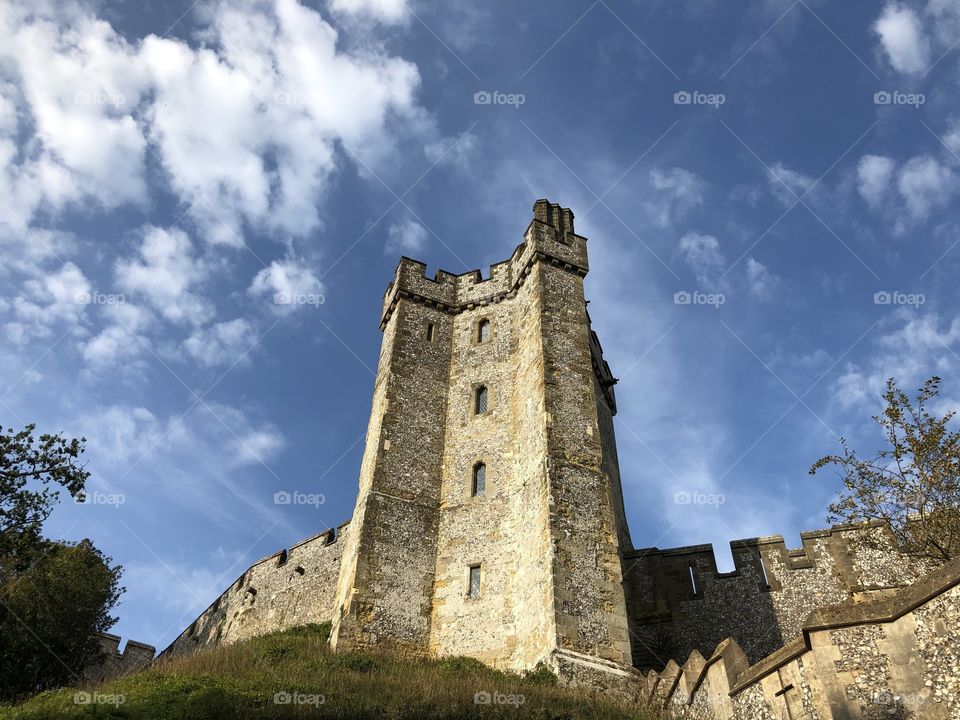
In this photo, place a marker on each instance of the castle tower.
(490, 520)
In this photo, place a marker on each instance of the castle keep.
(490, 522)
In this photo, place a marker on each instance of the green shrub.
(541, 675)
(355, 662)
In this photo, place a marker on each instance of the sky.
(202, 203)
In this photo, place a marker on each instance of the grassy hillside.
(293, 674)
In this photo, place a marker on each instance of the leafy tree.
(913, 483)
(30, 470)
(54, 596)
(50, 614)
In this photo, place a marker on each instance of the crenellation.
(114, 663)
(858, 660)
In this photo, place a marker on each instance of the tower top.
(552, 214)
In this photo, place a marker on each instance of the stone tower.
(490, 520)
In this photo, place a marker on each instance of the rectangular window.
(474, 590)
(480, 404)
(429, 332)
(479, 479)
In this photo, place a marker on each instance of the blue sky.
(169, 171)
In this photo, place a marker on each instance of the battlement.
(679, 596)
(840, 665)
(549, 237)
(135, 656)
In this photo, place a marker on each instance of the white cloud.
(78, 82)
(122, 340)
(164, 274)
(405, 237)
(223, 344)
(47, 300)
(903, 39)
(702, 253)
(925, 185)
(760, 281)
(788, 184)
(389, 11)
(874, 174)
(677, 192)
(276, 85)
(256, 446)
(287, 284)
(453, 152)
(246, 126)
(952, 138)
(915, 347)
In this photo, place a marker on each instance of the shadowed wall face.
(679, 603)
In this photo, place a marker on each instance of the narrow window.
(282, 558)
(429, 332)
(483, 331)
(763, 569)
(474, 590)
(693, 581)
(480, 400)
(479, 479)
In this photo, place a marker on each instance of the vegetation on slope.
(293, 674)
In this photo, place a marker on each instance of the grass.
(252, 679)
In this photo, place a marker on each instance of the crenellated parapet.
(678, 601)
(135, 656)
(895, 656)
(550, 239)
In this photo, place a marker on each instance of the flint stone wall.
(286, 589)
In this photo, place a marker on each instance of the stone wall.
(291, 587)
(678, 602)
(135, 656)
(502, 529)
(895, 656)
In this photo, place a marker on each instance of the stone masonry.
(490, 520)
